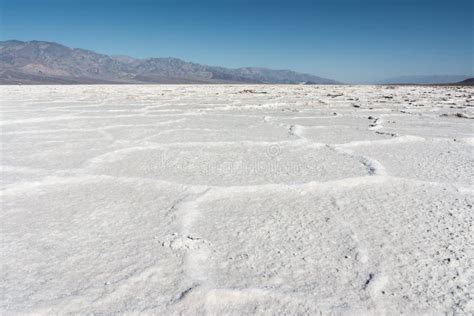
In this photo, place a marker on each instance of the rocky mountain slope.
(38, 62)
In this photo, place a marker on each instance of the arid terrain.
(233, 199)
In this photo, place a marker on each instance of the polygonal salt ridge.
(186, 242)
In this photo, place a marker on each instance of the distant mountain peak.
(41, 62)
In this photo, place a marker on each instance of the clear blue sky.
(347, 40)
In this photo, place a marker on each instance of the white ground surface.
(202, 199)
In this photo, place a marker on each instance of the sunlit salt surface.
(236, 199)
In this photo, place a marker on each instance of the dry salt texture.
(236, 199)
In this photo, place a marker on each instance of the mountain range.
(40, 62)
(426, 79)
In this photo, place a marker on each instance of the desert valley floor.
(233, 199)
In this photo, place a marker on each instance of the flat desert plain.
(229, 199)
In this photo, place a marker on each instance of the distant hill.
(38, 62)
(467, 82)
(431, 79)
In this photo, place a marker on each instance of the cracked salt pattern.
(205, 200)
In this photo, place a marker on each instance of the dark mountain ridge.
(426, 79)
(38, 62)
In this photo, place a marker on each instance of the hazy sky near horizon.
(356, 41)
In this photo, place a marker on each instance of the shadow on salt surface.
(224, 164)
(383, 245)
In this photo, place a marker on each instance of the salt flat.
(237, 199)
